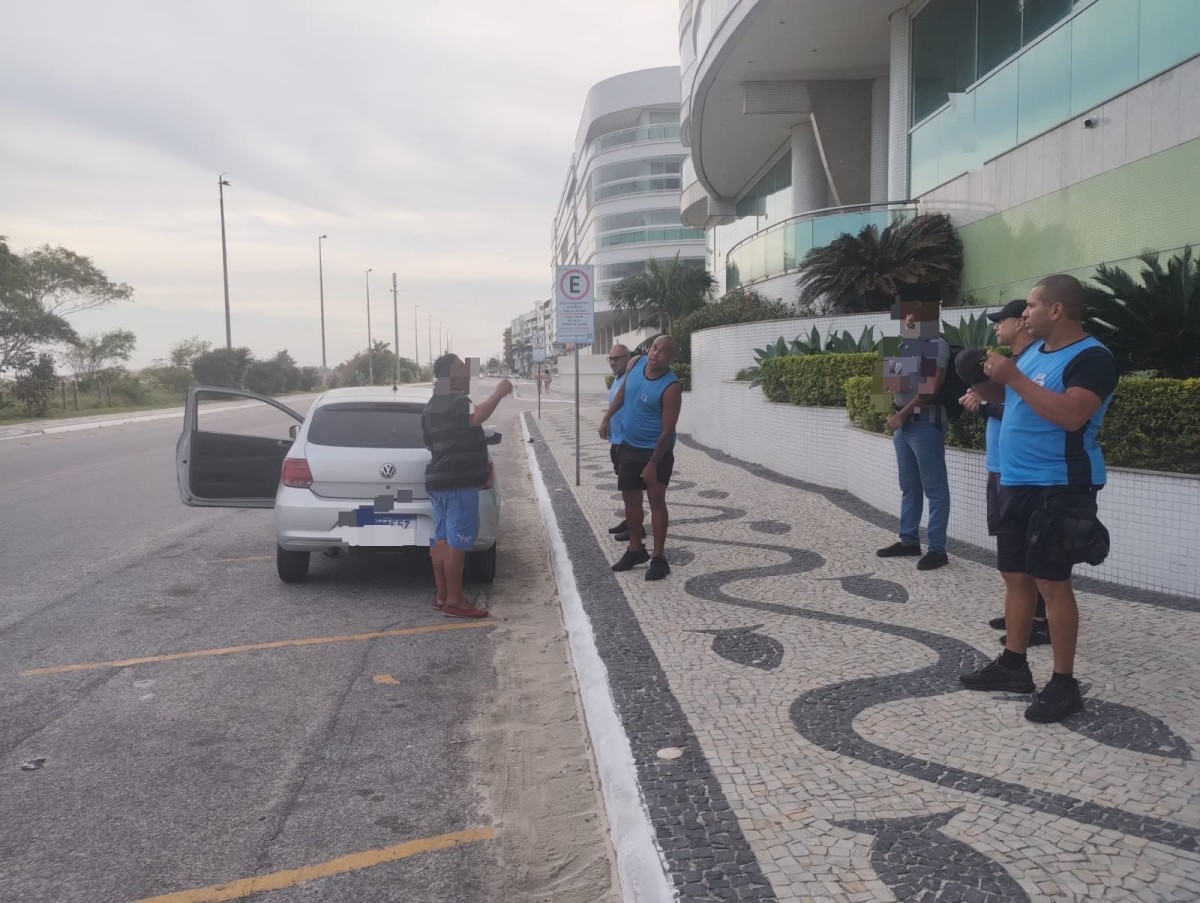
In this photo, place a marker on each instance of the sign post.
(539, 358)
(575, 321)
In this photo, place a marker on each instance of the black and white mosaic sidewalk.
(827, 750)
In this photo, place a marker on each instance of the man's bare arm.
(672, 403)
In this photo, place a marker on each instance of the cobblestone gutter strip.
(706, 855)
(852, 504)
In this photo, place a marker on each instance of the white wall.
(1153, 518)
(592, 370)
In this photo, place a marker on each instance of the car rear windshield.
(367, 425)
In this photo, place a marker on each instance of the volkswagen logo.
(387, 471)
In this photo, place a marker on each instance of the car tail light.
(491, 477)
(296, 473)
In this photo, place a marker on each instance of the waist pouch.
(1067, 530)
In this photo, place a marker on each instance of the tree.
(88, 355)
(739, 305)
(1151, 325)
(224, 367)
(62, 282)
(665, 292)
(34, 387)
(864, 272)
(185, 351)
(24, 324)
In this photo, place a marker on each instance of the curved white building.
(620, 202)
(1058, 134)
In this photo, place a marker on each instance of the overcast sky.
(426, 138)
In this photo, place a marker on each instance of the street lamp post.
(396, 323)
(321, 277)
(441, 344)
(417, 340)
(429, 329)
(370, 345)
(221, 185)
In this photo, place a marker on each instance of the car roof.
(418, 393)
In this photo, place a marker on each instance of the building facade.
(1057, 134)
(620, 202)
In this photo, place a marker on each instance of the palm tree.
(864, 272)
(1151, 325)
(666, 292)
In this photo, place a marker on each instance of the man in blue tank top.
(648, 401)
(1009, 326)
(1054, 397)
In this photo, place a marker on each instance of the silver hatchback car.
(349, 475)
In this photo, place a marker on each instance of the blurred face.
(618, 359)
(460, 375)
(1009, 329)
(661, 353)
(1040, 314)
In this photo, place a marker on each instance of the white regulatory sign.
(575, 305)
(539, 346)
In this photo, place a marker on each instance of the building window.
(943, 53)
(999, 33)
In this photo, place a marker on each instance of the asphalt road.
(121, 782)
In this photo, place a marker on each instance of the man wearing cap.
(1009, 326)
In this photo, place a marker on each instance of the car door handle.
(283, 443)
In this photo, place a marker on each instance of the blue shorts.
(455, 517)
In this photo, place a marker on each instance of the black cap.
(1011, 309)
(969, 364)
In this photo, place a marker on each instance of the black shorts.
(1015, 506)
(632, 461)
(993, 503)
(612, 453)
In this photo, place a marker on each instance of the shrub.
(1152, 424)
(814, 379)
(737, 306)
(35, 385)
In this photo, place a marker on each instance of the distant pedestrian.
(918, 428)
(458, 467)
(618, 361)
(650, 401)
(1051, 468)
(1009, 326)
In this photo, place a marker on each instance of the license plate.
(379, 529)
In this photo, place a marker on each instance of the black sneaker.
(900, 550)
(1059, 699)
(622, 527)
(995, 676)
(623, 536)
(997, 623)
(1039, 634)
(631, 559)
(658, 568)
(932, 560)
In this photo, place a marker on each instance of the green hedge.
(814, 379)
(682, 371)
(1152, 424)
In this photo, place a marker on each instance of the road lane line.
(256, 647)
(385, 679)
(250, 558)
(234, 890)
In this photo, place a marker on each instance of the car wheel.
(292, 566)
(481, 566)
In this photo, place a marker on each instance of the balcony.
(779, 249)
(642, 134)
(643, 236)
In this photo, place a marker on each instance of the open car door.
(232, 448)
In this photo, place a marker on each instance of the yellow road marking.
(234, 890)
(255, 647)
(250, 558)
(385, 679)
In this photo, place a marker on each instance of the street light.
(417, 340)
(441, 344)
(321, 276)
(221, 185)
(370, 346)
(429, 329)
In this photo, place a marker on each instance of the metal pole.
(221, 183)
(429, 329)
(441, 344)
(576, 415)
(370, 345)
(396, 317)
(321, 276)
(417, 340)
(539, 382)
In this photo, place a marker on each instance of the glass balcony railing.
(640, 236)
(779, 248)
(1106, 49)
(639, 135)
(636, 186)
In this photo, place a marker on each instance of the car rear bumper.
(305, 522)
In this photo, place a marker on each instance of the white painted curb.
(640, 863)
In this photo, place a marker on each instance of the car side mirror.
(294, 430)
(494, 438)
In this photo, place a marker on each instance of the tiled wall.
(1154, 519)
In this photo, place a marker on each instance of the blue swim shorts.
(455, 517)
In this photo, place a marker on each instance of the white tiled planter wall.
(1154, 518)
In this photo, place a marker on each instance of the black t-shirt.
(1095, 370)
(459, 450)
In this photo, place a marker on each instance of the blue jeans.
(455, 517)
(921, 461)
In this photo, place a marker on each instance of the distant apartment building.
(1057, 134)
(620, 202)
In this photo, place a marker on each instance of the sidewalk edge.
(640, 863)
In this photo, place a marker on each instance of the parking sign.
(575, 304)
(539, 346)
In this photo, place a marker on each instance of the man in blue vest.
(649, 402)
(1051, 468)
(618, 360)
